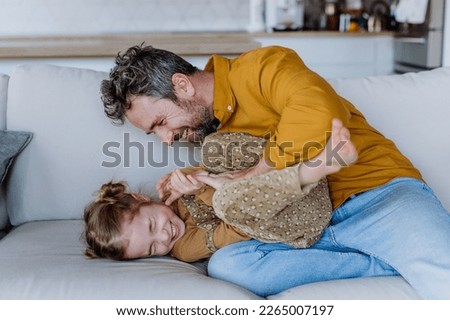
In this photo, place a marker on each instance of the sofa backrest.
(3, 98)
(414, 111)
(75, 147)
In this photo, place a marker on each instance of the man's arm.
(306, 104)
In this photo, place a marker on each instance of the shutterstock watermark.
(159, 155)
(235, 154)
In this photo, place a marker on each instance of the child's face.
(153, 231)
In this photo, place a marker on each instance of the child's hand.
(165, 190)
(185, 184)
(176, 183)
(163, 186)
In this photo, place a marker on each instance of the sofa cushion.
(374, 288)
(75, 147)
(35, 266)
(11, 144)
(413, 110)
(3, 98)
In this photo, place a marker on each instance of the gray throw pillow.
(11, 144)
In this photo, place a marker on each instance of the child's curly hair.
(104, 216)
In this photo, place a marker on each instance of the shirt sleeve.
(191, 246)
(306, 104)
(200, 243)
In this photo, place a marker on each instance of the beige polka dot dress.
(271, 207)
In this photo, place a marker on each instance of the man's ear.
(182, 85)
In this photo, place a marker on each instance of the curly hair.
(103, 218)
(141, 70)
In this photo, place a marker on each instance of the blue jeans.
(398, 228)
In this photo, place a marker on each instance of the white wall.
(87, 17)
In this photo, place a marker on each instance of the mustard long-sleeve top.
(205, 234)
(269, 92)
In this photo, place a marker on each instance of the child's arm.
(276, 207)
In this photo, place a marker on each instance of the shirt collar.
(224, 104)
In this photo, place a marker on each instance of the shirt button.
(229, 108)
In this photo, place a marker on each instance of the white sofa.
(73, 151)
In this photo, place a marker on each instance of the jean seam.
(339, 244)
(361, 251)
(333, 238)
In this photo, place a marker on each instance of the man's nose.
(165, 136)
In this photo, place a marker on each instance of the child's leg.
(338, 153)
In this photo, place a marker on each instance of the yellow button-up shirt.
(269, 92)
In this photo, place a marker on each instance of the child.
(124, 225)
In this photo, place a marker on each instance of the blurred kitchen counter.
(185, 44)
(108, 45)
(321, 34)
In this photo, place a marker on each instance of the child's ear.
(182, 85)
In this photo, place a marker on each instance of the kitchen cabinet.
(334, 54)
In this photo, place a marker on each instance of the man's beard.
(206, 123)
(207, 126)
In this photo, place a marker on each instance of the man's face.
(168, 120)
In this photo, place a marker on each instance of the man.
(386, 220)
